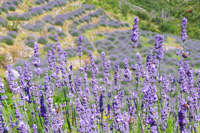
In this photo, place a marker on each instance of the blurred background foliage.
(156, 15)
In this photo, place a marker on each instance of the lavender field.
(68, 66)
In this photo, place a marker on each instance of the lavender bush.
(29, 42)
(6, 39)
(42, 40)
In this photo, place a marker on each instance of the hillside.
(31, 21)
(157, 15)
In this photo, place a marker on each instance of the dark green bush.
(100, 50)
(38, 2)
(59, 22)
(142, 15)
(113, 58)
(52, 37)
(4, 9)
(110, 47)
(30, 37)
(12, 34)
(2, 59)
(167, 27)
(42, 40)
(29, 42)
(7, 39)
(48, 46)
(51, 29)
(62, 34)
(139, 46)
(157, 20)
(12, 8)
(75, 33)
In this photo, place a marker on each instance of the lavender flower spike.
(79, 48)
(159, 47)
(183, 31)
(134, 36)
(36, 60)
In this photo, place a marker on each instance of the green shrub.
(16, 3)
(157, 20)
(2, 59)
(30, 37)
(100, 50)
(38, 3)
(85, 52)
(52, 37)
(142, 15)
(110, 47)
(111, 39)
(62, 34)
(4, 9)
(6, 39)
(2, 22)
(42, 40)
(113, 58)
(75, 33)
(12, 34)
(11, 17)
(100, 75)
(59, 22)
(12, 8)
(51, 29)
(139, 46)
(167, 27)
(90, 48)
(121, 64)
(29, 42)
(82, 30)
(48, 46)
(97, 61)
(168, 54)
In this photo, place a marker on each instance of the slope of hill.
(32, 21)
(160, 15)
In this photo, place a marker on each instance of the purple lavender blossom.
(134, 36)
(182, 116)
(183, 31)
(151, 64)
(34, 128)
(79, 48)
(11, 80)
(86, 66)
(94, 67)
(36, 60)
(105, 68)
(159, 47)
(116, 76)
(127, 72)
(139, 68)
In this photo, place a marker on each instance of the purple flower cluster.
(183, 31)
(134, 36)
(127, 72)
(36, 60)
(106, 65)
(116, 76)
(79, 48)
(159, 46)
